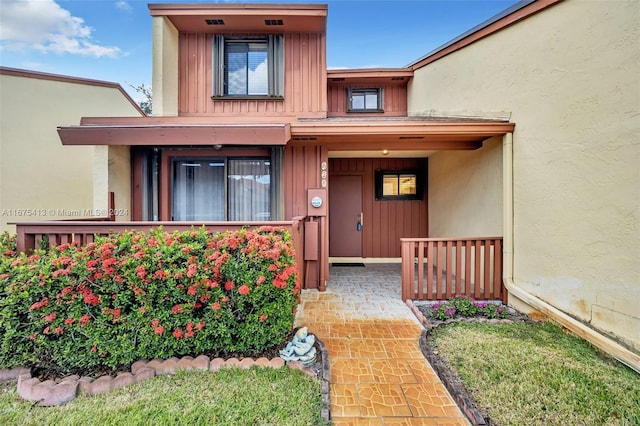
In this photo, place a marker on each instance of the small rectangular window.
(364, 100)
(398, 185)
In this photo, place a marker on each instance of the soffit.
(244, 18)
(347, 77)
(408, 134)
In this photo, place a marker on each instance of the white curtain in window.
(249, 182)
(198, 190)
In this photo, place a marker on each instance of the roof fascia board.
(238, 9)
(370, 73)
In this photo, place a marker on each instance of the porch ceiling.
(399, 135)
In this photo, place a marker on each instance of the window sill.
(399, 198)
(247, 98)
(361, 111)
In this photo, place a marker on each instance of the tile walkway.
(378, 374)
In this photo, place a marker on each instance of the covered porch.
(309, 162)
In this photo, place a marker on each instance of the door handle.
(360, 222)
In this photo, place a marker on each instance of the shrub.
(466, 307)
(146, 295)
(442, 311)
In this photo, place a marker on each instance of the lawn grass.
(230, 396)
(534, 374)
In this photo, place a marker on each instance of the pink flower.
(159, 275)
(159, 330)
(44, 302)
(243, 290)
(191, 270)
(50, 317)
(262, 318)
(215, 306)
(177, 333)
(141, 271)
(84, 319)
(229, 285)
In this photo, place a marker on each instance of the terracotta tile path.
(378, 374)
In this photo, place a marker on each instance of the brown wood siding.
(305, 80)
(394, 97)
(385, 222)
(302, 170)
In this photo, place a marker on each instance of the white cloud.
(123, 5)
(45, 26)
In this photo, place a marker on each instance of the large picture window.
(248, 66)
(398, 185)
(219, 189)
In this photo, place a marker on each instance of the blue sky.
(111, 39)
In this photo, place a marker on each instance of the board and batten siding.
(385, 222)
(302, 170)
(305, 80)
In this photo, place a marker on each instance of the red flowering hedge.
(146, 295)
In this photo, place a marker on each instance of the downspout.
(609, 346)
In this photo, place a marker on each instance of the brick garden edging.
(451, 382)
(51, 393)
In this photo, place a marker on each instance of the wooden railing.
(439, 268)
(32, 235)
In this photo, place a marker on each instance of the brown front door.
(345, 214)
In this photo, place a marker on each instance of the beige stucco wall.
(120, 180)
(165, 67)
(40, 179)
(570, 76)
(464, 183)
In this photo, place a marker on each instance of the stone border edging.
(452, 383)
(52, 393)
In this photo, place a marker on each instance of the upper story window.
(248, 66)
(365, 100)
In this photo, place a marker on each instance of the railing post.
(406, 252)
